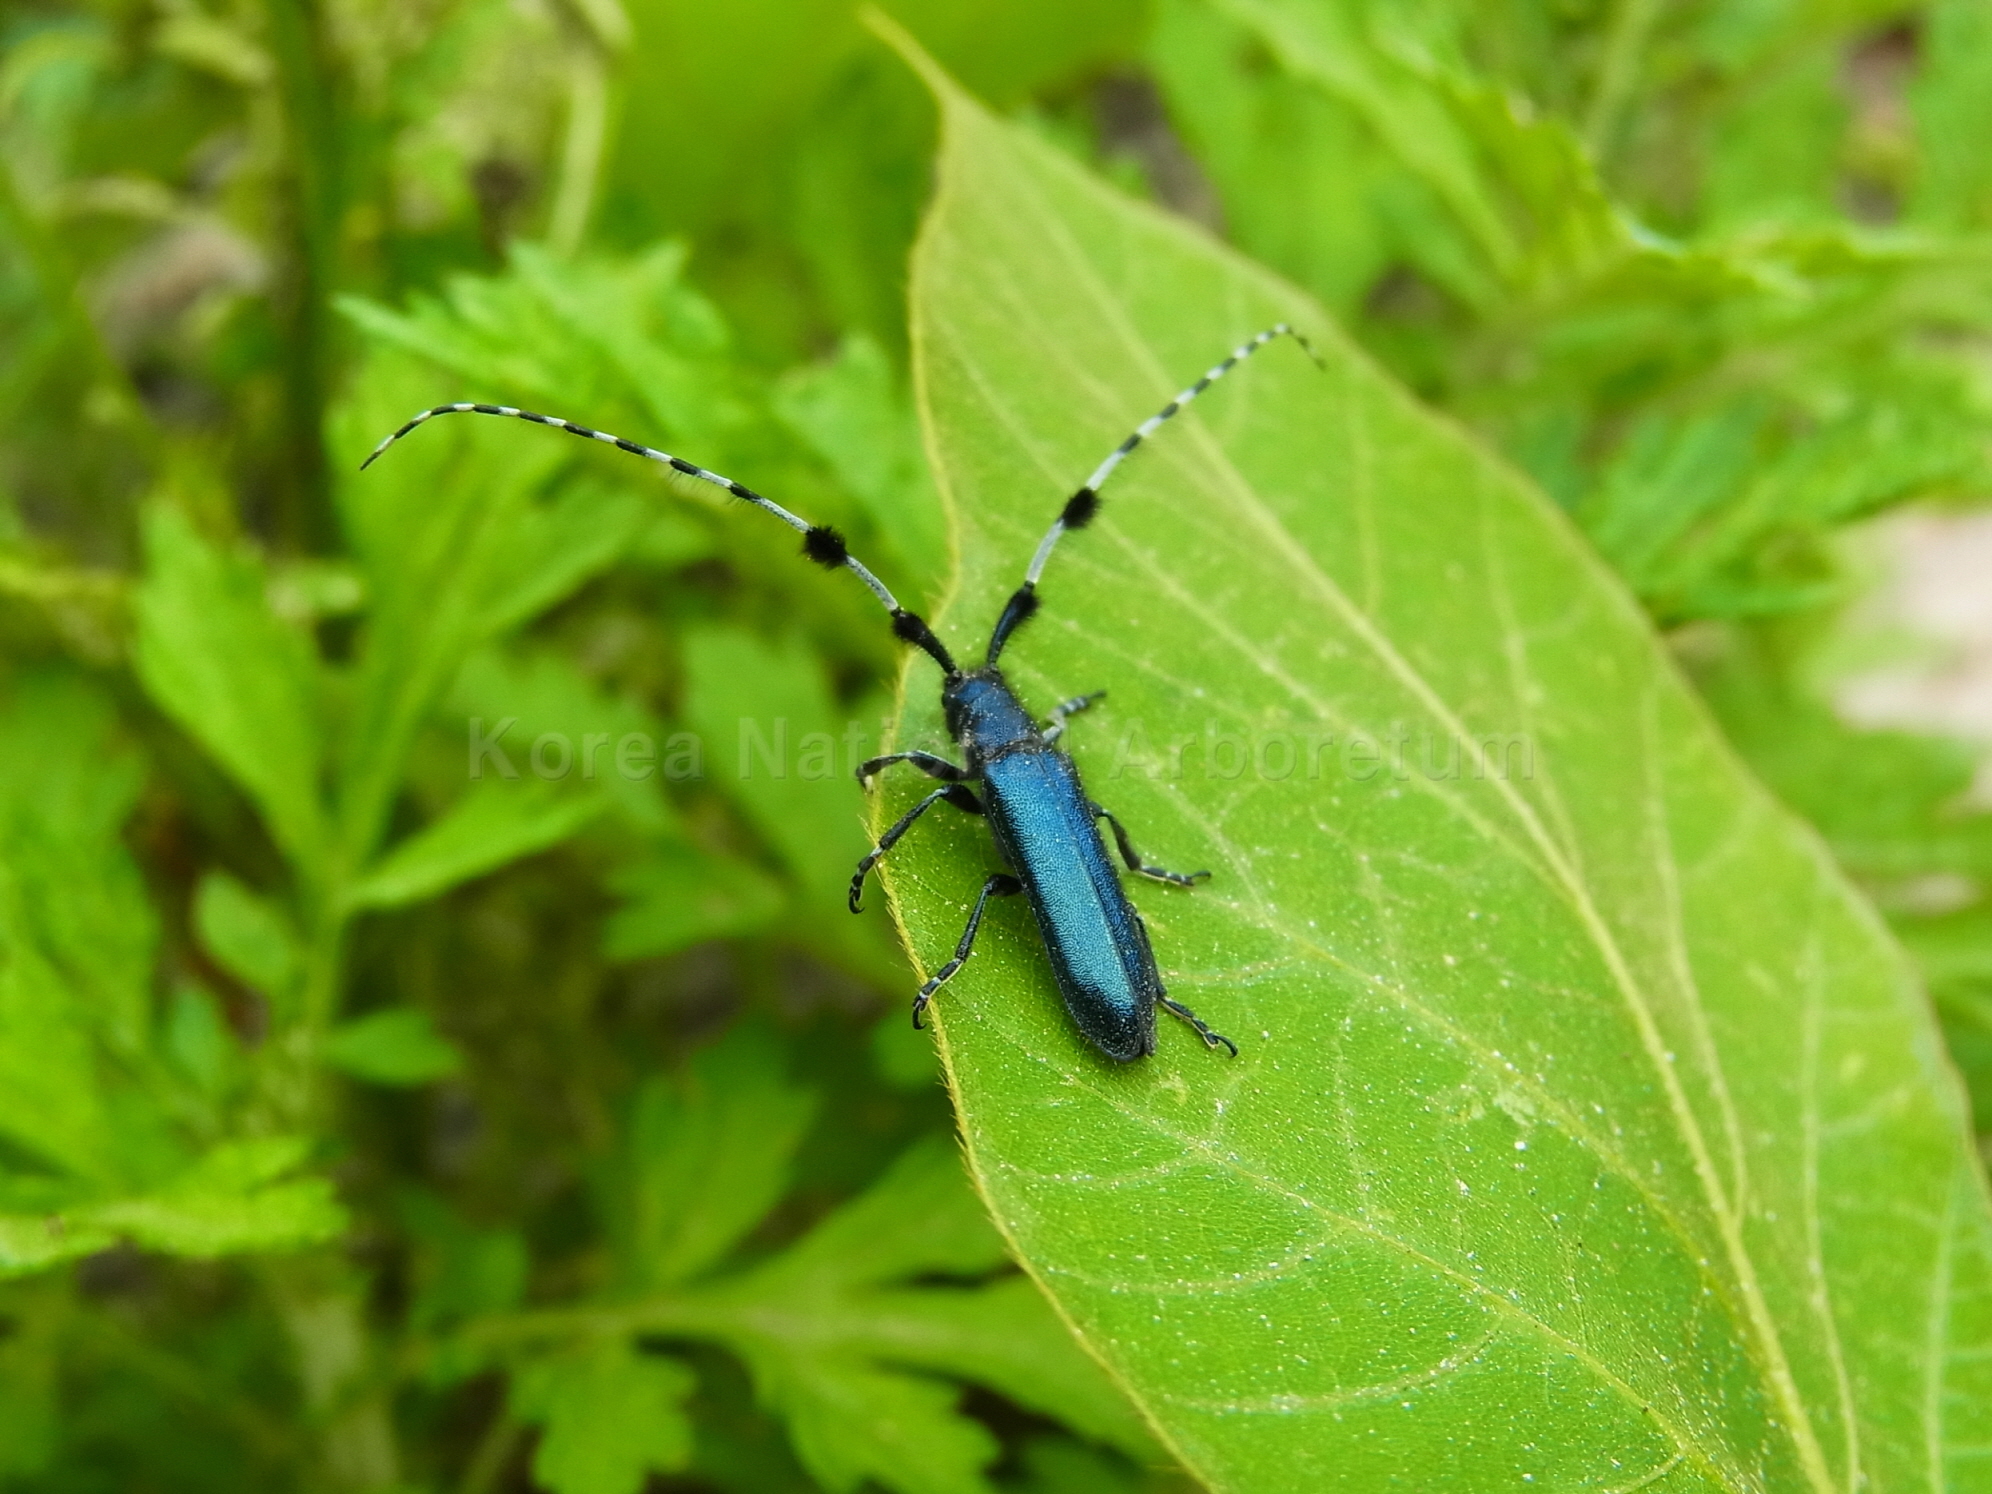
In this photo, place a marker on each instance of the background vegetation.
(364, 1126)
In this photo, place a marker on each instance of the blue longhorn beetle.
(1046, 827)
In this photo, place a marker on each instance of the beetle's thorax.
(985, 716)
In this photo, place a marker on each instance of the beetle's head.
(983, 713)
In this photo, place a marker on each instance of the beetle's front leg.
(1133, 857)
(926, 762)
(1002, 884)
(962, 799)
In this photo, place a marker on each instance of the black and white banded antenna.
(1084, 506)
(820, 542)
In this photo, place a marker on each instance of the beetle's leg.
(1054, 726)
(1002, 884)
(1133, 857)
(926, 762)
(954, 793)
(1177, 1009)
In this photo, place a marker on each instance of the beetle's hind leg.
(1133, 857)
(1054, 726)
(1176, 1009)
(954, 793)
(1002, 884)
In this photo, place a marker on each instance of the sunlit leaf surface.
(1588, 1133)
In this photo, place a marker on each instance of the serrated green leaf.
(68, 784)
(551, 549)
(847, 1339)
(434, 526)
(830, 1326)
(109, 1148)
(611, 1416)
(852, 1423)
(463, 1270)
(247, 934)
(853, 415)
(237, 1198)
(777, 745)
(537, 716)
(1303, 184)
(867, 1241)
(28, 1245)
(1587, 1128)
(493, 823)
(1613, 363)
(468, 531)
(708, 1156)
(678, 896)
(395, 1046)
(575, 336)
(1516, 192)
(49, 1098)
(92, 1156)
(236, 678)
(1002, 1337)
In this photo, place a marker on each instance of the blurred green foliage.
(425, 1062)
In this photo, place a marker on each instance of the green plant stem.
(306, 92)
(324, 971)
(319, 1296)
(715, 1314)
(321, 1304)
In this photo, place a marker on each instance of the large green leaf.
(1588, 1131)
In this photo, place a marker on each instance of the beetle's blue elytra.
(1046, 829)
